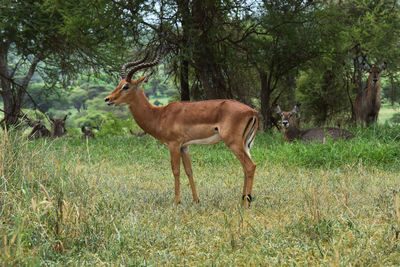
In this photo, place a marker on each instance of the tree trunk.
(184, 10)
(356, 80)
(184, 79)
(357, 76)
(207, 68)
(353, 114)
(393, 92)
(11, 109)
(11, 92)
(265, 99)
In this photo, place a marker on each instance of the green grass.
(386, 112)
(108, 201)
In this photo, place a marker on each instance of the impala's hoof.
(177, 202)
(247, 199)
(197, 201)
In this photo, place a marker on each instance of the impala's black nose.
(106, 99)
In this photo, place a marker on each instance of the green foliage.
(91, 120)
(322, 94)
(395, 118)
(44, 101)
(158, 84)
(391, 92)
(78, 98)
(111, 125)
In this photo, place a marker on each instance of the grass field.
(108, 201)
(386, 112)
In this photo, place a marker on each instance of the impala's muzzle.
(108, 101)
(285, 124)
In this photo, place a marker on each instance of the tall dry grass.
(108, 201)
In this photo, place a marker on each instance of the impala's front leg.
(174, 151)
(188, 169)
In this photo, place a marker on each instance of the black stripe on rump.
(251, 132)
(247, 126)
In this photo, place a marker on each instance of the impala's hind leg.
(188, 169)
(249, 168)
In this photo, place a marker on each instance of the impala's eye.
(125, 87)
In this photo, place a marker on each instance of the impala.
(180, 124)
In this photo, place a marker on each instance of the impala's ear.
(147, 77)
(143, 79)
(51, 118)
(278, 110)
(383, 66)
(65, 117)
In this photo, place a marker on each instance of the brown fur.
(178, 124)
(58, 127)
(87, 132)
(292, 132)
(368, 101)
(39, 130)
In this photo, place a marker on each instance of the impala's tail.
(249, 133)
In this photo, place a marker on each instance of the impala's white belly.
(205, 141)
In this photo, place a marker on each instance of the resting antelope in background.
(180, 124)
(368, 101)
(58, 127)
(39, 130)
(291, 131)
(87, 132)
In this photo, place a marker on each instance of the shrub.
(112, 125)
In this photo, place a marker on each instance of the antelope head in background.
(58, 127)
(289, 123)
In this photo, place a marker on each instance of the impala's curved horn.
(132, 64)
(142, 66)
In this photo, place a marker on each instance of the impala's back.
(292, 132)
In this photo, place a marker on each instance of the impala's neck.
(144, 113)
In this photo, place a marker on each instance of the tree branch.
(15, 68)
(27, 93)
(31, 71)
(250, 30)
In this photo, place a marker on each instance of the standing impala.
(180, 124)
